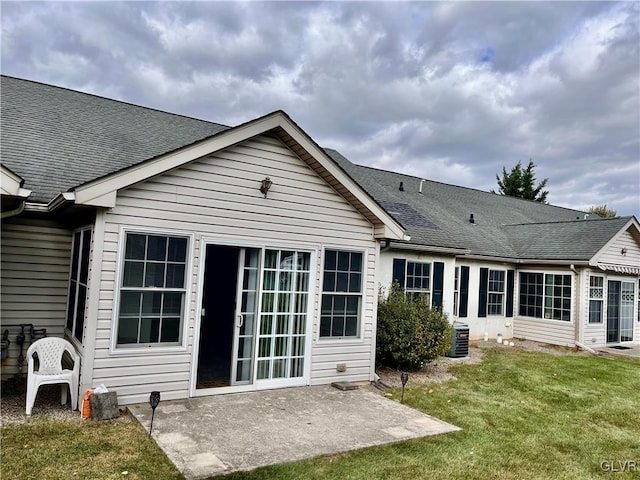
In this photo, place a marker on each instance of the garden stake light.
(154, 400)
(404, 378)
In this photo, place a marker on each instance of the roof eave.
(102, 192)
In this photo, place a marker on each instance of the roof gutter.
(528, 261)
(22, 196)
(61, 200)
(426, 248)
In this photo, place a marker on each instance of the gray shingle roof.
(573, 240)
(57, 138)
(504, 226)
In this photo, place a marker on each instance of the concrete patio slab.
(207, 436)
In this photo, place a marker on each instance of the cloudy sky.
(446, 91)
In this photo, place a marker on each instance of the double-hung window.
(418, 280)
(495, 300)
(78, 282)
(545, 296)
(341, 294)
(152, 290)
(596, 298)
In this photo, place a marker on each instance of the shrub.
(410, 333)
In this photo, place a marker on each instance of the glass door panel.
(626, 311)
(246, 315)
(283, 315)
(613, 311)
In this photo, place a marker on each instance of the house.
(510, 266)
(195, 258)
(184, 256)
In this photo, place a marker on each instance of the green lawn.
(524, 416)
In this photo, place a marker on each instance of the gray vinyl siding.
(35, 260)
(218, 197)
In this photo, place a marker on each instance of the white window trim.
(71, 333)
(544, 273)
(601, 300)
(356, 340)
(116, 349)
(419, 291)
(503, 292)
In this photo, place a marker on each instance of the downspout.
(16, 211)
(588, 349)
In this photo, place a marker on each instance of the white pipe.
(588, 349)
(421, 182)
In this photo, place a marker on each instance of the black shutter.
(398, 271)
(510, 280)
(438, 281)
(464, 292)
(482, 294)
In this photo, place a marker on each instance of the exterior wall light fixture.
(265, 186)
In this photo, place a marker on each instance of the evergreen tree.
(520, 183)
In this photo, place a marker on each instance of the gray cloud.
(449, 91)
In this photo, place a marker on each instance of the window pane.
(271, 259)
(266, 324)
(135, 246)
(177, 250)
(287, 260)
(264, 348)
(337, 329)
(170, 330)
(343, 261)
(127, 330)
(282, 324)
(130, 304)
(352, 305)
(325, 326)
(330, 259)
(75, 255)
(172, 303)
(302, 282)
(356, 262)
(342, 282)
(154, 276)
(86, 250)
(354, 282)
(149, 330)
(151, 303)
(351, 327)
(71, 307)
(82, 297)
(269, 280)
(133, 273)
(175, 275)
(157, 248)
(327, 304)
(329, 284)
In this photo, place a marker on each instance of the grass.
(47, 449)
(524, 416)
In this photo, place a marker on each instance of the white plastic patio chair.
(50, 351)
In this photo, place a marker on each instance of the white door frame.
(256, 384)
